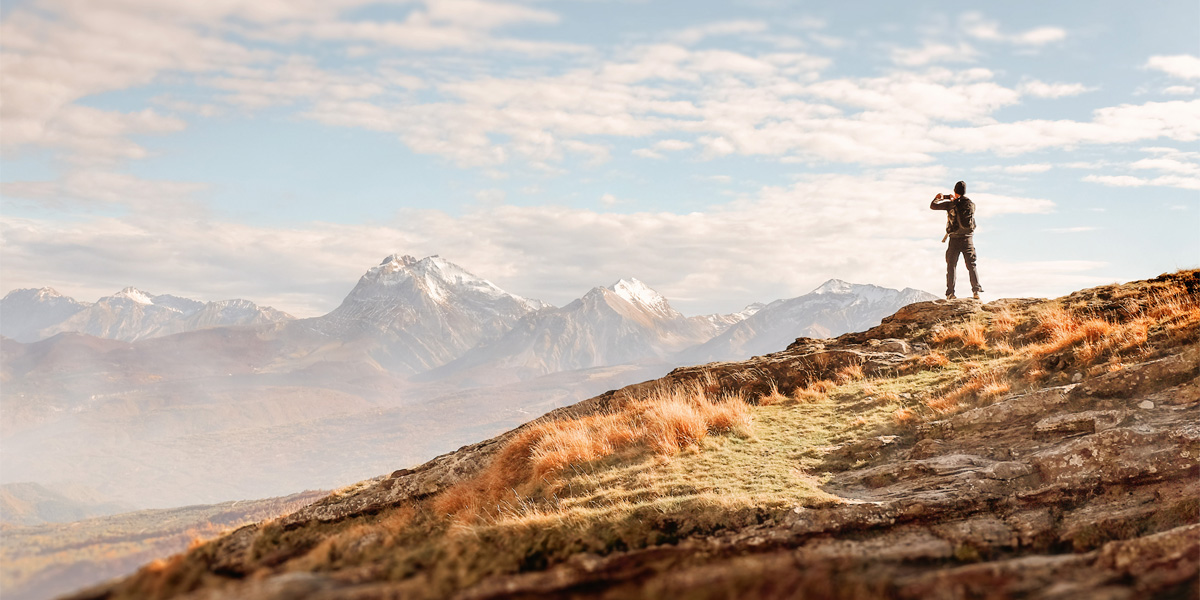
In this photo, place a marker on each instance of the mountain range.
(29, 315)
(145, 398)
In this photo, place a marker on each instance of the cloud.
(779, 242)
(976, 26)
(673, 145)
(86, 135)
(62, 52)
(299, 79)
(1179, 169)
(1180, 90)
(1176, 120)
(1187, 183)
(1040, 89)
(1018, 169)
(1182, 66)
(933, 52)
(693, 35)
(100, 188)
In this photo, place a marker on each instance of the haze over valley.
(155, 401)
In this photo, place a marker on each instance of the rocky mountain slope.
(1022, 448)
(31, 315)
(625, 322)
(834, 308)
(413, 315)
(24, 312)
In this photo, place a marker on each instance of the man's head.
(960, 189)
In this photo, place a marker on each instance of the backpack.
(961, 217)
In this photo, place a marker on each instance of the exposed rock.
(1130, 381)
(914, 320)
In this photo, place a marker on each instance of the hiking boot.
(976, 295)
(950, 296)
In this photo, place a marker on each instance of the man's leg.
(952, 251)
(968, 252)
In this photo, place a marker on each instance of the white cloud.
(96, 188)
(1018, 169)
(1176, 120)
(975, 25)
(1187, 183)
(1179, 90)
(1041, 89)
(694, 35)
(1179, 169)
(62, 51)
(781, 242)
(1182, 66)
(298, 79)
(673, 145)
(51, 59)
(933, 52)
(647, 153)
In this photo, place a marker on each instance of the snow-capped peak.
(864, 292)
(433, 277)
(402, 260)
(640, 294)
(136, 295)
(834, 286)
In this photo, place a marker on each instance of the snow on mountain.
(185, 306)
(834, 308)
(23, 312)
(128, 315)
(419, 314)
(623, 323)
(719, 322)
(134, 295)
(221, 313)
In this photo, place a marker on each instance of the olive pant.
(966, 247)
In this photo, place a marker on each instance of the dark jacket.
(960, 220)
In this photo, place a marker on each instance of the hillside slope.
(1022, 448)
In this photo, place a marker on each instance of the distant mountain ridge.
(29, 503)
(29, 315)
(832, 309)
(414, 315)
(625, 322)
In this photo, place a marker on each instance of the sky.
(723, 153)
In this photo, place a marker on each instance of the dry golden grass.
(969, 335)
(773, 396)
(823, 386)
(666, 421)
(817, 391)
(1002, 324)
(903, 416)
(980, 385)
(848, 373)
(934, 360)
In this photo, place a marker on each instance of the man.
(960, 227)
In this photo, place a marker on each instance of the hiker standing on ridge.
(960, 227)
